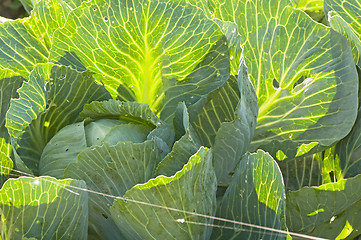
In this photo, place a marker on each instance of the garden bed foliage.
(175, 119)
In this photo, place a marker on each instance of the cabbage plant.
(174, 119)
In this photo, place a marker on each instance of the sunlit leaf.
(43, 208)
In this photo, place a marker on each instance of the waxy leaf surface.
(43, 208)
(302, 71)
(324, 211)
(191, 190)
(156, 52)
(256, 196)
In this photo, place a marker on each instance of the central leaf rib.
(151, 71)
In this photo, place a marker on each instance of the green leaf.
(112, 170)
(28, 106)
(9, 83)
(344, 17)
(129, 112)
(302, 71)
(324, 211)
(182, 149)
(28, 5)
(226, 121)
(8, 86)
(309, 5)
(6, 164)
(27, 42)
(62, 150)
(230, 30)
(157, 52)
(43, 208)
(256, 195)
(52, 99)
(20, 49)
(348, 151)
(340, 25)
(300, 172)
(193, 189)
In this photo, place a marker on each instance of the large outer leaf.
(303, 74)
(9, 83)
(26, 42)
(325, 210)
(43, 208)
(42, 110)
(256, 195)
(20, 50)
(146, 50)
(226, 120)
(193, 189)
(344, 17)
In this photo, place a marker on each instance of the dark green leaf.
(226, 122)
(183, 149)
(324, 211)
(256, 196)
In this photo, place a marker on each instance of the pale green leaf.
(95, 132)
(157, 52)
(129, 112)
